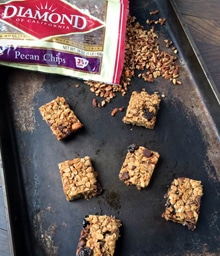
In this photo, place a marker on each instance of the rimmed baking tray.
(186, 136)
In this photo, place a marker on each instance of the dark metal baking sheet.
(186, 136)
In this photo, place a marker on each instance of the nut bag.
(82, 38)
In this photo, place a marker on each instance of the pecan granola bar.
(98, 236)
(142, 109)
(79, 178)
(183, 202)
(61, 119)
(138, 166)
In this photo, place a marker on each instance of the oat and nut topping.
(60, 118)
(142, 109)
(99, 235)
(183, 202)
(79, 178)
(138, 166)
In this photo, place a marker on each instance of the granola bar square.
(183, 202)
(138, 166)
(142, 109)
(60, 118)
(79, 179)
(98, 236)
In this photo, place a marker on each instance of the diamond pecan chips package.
(81, 38)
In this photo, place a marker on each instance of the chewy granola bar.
(142, 109)
(138, 166)
(60, 118)
(98, 236)
(79, 178)
(183, 202)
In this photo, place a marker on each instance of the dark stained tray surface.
(186, 136)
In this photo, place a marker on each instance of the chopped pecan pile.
(143, 53)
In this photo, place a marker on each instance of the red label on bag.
(46, 18)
